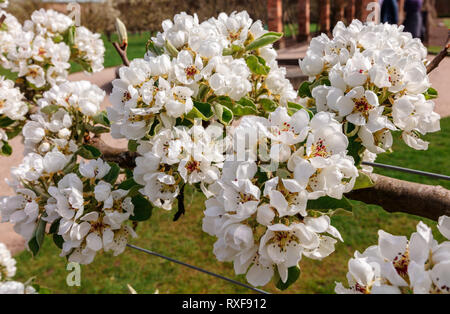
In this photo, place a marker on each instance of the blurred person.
(389, 11)
(413, 17)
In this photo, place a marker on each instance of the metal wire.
(197, 268)
(423, 173)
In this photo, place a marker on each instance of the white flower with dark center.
(397, 265)
(235, 27)
(377, 142)
(35, 75)
(283, 245)
(287, 130)
(161, 189)
(94, 169)
(187, 68)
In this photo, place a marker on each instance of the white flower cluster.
(89, 49)
(373, 76)
(90, 220)
(262, 222)
(62, 109)
(178, 156)
(41, 50)
(7, 271)
(88, 212)
(12, 102)
(12, 108)
(3, 3)
(52, 136)
(419, 265)
(24, 208)
(190, 59)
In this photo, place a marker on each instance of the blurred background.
(300, 20)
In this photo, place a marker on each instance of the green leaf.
(224, 100)
(69, 36)
(128, 173)
(102, 118)
(363, 181)
(113, 174)
(431, 93)
(134, 190)
(128, 184)
(71, 167)
(205, 109)
(142, 208)
(157, 51)
(304, 91)
(156, 125)
(171, 49)
(203, 90)
(355, 149)
(224, 114)
(244, 107)
(294, 107)
(264, 40)
(98, 129)
(14, 132)
(37, 239)
(325, 202)
(132, 145)
(50, 109)
(323, 80)
(58, 240)
(89, 152)
(5, 121)
(41, 290)
(6, 149)
(268, 105)
(201, 110)
(247, 102)
(55, 226)
(293, 275)
(256, 66)
(181, 208)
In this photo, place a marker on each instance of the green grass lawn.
(136, 49)
(185, 240)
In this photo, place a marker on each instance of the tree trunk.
(408, 197)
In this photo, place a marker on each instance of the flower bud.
(121, 32)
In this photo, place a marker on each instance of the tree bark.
(441, 56)
(407, 197)
(123, 158)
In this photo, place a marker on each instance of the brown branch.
(441, 56)
(392, 194)
(123, 158)
(122, 51)
(408, 197)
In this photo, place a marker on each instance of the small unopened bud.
(171, 49)
(64, 133)
(44, 147)
(122, 33)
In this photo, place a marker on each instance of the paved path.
(440, 79)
